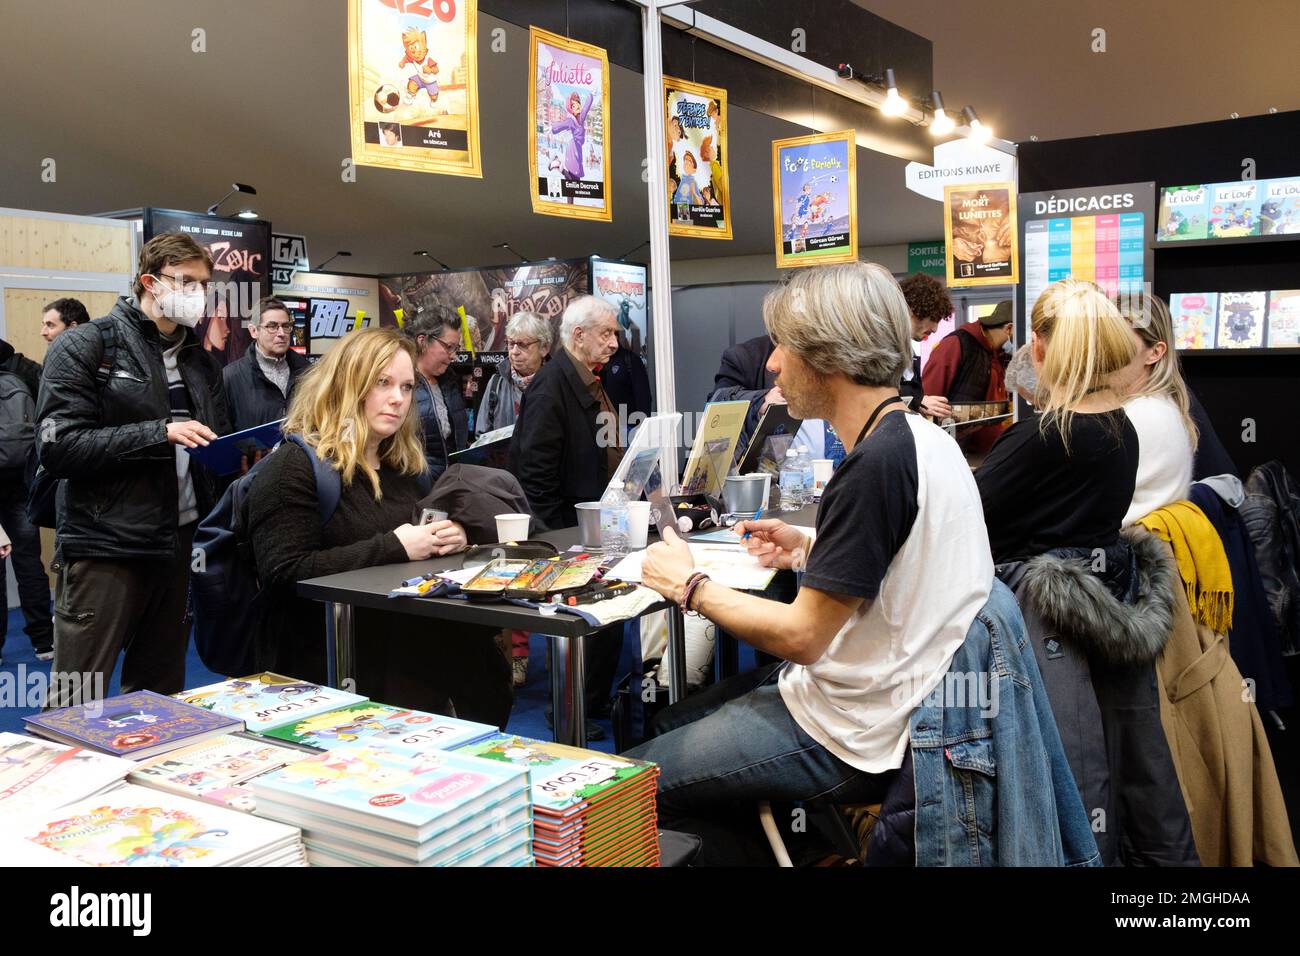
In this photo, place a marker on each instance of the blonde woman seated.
(355, 409)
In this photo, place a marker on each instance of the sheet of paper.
(729, 566)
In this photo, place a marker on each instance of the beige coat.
(1224, 763)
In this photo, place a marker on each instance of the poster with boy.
(568, 137)
(413, 85)
(979, 224)
(699, 203)
(815, 199)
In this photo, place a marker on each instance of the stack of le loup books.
(138, 826)
(589, 808)
(137, 726)
(39, 774)
(362, 805)
(267, 701)
(217, 770)
(381, 726)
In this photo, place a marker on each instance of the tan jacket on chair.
(1224, 763)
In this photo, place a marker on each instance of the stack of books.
(39, 775)
(217, 770)
(382, 726)
(137, 826)
(267, 701)
(361, 805)
(137, 726)
(589, 808)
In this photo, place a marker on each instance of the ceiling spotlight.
(425, 253)
(341, 252)
(894, 104)
(247, 214)
(1272, 109)
(234, 188)
(1234, 115)
(507, 246)
(978, 131)
(942, 124)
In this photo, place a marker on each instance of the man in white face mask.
(121, 399)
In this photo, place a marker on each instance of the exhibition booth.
(679, 162)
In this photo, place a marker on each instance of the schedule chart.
(1108, 249)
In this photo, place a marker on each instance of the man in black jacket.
(260, 382)
(120, 401)
(627, 383)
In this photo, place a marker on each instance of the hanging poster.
(979, 226)
(623, 285)
(699, 200)
(413, 85)
(815, 199)
(568, 131)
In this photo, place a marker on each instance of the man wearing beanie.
(969, 366)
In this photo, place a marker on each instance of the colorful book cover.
(1284, 319)
(137, 826)
(219, 764)
(1195, 317)
(1235, 210)
(380, 725)
(266, 701)
(562, 778)
(411, 790)
(138, 724)
(39, 774)
(1184, 213)
(1241, 320)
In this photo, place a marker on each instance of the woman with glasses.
(528, 344)
(439, 397)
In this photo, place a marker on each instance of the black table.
(369, 587)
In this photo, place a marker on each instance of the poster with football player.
(814, 199)
(568, 135)
(413, 85)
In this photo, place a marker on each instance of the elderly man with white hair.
(528, 343)
(557, 456)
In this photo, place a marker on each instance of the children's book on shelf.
(1284, 319)
(1241, 320)
(40, 774)
(266, 701)
(216, 770)
(382, 726)
(1195, 316)
(137, 725)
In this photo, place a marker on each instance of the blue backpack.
(229, 600)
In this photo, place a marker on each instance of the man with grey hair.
(895, 575)
(528, 345)
(556, 453)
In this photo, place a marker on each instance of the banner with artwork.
(815, 199)
(568, 136)
(979, 225)
(699, 200)
(413, 85)
(241, 258)
(623, 285)
(330, 306)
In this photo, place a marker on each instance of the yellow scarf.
(1202, 561)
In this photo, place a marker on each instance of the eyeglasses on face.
(515, 345)
(184, 284)
(274, 327)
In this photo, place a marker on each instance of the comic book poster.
(1195, 316)
(1241, 320)
(489, 296)
(241, 275)
(699, 200)
(413, 85)
(979, 224)
(1284, 319)
(569, 134)
(814, 199)
(623, 285)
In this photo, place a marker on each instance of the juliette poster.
(568, 129)
(814, 199)
(699, 201)
(979, 223)
(413, 85)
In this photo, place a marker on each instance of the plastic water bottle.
(792, 485)
(614, 521)
(805, 465)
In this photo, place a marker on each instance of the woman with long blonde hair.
(355, 409)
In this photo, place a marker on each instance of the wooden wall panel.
(37, 243)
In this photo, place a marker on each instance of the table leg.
(340, 645)
(726, 656)
(676, 655)
(568, 690)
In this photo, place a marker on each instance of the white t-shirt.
(1164, 455)
(901, 525)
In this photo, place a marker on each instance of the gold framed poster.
(695, 124)
(413, 85)
(979, 231)
(815, 199)
(568, 128)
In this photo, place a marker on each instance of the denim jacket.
(993, 787)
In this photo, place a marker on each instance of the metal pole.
(661, 295)
(568, 690)
(340, 645)
(676, 655)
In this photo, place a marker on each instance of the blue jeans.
(732, 745)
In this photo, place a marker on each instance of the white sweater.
(1164, 472)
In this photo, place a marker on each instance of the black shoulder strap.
(108, 352)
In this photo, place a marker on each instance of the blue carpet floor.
(527, 719)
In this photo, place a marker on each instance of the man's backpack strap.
(108, 351)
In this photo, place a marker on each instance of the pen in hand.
(757, 514)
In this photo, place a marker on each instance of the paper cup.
(588, 523)
(512, 527)
(638, 524)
